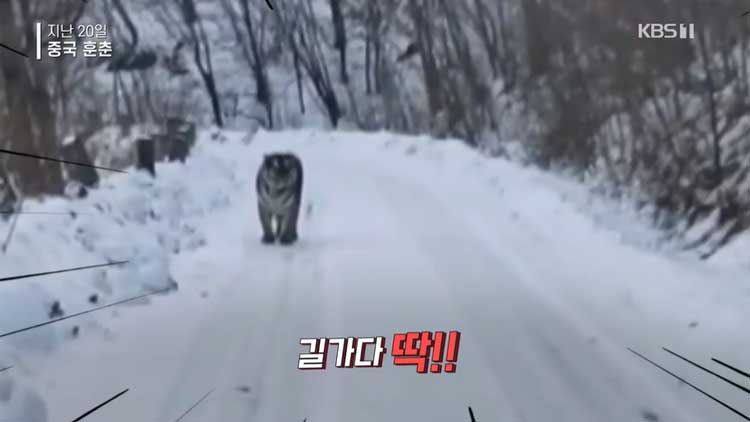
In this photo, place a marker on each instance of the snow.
(403, 233)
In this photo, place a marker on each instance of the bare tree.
(340, 39)
(252, 41)
(302, 30)
(202, 55)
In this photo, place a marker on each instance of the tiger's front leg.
(266, 222)
(288, 226)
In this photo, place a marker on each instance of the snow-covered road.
(398, 236)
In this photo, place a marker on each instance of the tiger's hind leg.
(288, 226)
(266, 224)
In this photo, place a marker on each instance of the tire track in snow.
(551, 352)
(314, 312)
(382, 281)
(281, 391)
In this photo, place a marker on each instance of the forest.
(565, 85)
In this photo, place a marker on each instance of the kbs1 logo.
(428, 351)
(683, 31)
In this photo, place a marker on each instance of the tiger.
(279, 190)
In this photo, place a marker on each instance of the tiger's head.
(280, 168)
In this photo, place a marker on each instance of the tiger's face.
(279, 168)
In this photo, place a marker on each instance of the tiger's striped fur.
(279, 188)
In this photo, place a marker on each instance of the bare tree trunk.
(298, 77)
(485, 27)
(368, 62)
(378, 68)
(421, 18)
(202, 57)
(509, 63)
(538, 51)
(258, 65)
(340, 41)
(710, 86)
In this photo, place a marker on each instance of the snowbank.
(131, 217)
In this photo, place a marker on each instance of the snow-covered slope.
(131, 217)
(398, 234)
